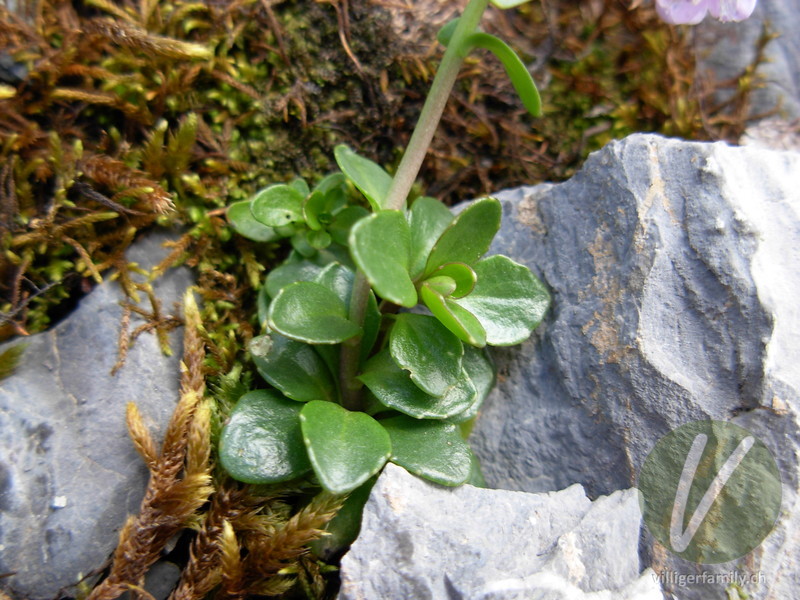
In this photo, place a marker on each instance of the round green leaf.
(481, 373)
(262, 441)
(326, 198)
(431, 449)
(318, 239)
(292, 367)
(245, 224)
(278, 205)
(369, 177)
(442, 285)
(345, 448)
(344, 528)
(300, 244)
(427, 219)
(428, 351)
(380, 247)
(469, 236)
(476, 474)
(337, 279)
(301, 186)
(508, 300)
(463, 275)
(461, 322)
(393, 387)
(312, 207)
(343, 221)
(309, 312)
(290, 272)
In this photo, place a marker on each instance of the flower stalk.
(403, 181)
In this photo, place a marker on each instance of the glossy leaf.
(309, 312)
(481, 373)
(343, 221)
(262, 305)
(442, 285)
(339, 279)
(458, 320)
(372, 327)
(326, 198)
(262, 441)
(278, 205)
(428, 351)
(431, 449)
(245, 224)
(290, 272)
(292, 367)
(345, 448)
(462, 274)
(318, 239)
(300, 244)
(330, 183)
(344, 528)
(301, 186)
(393, 387)
(427, 219)
(468, 237)
(515, 69)
(380, 245)
(312, 208)
(369, 177)
(334, 253)
(507, 300)
(476, 473)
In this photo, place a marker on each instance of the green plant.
(357, 382)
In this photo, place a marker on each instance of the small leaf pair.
(312, 219)
(394, 250)
(432, 255)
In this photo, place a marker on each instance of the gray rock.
(673, 268)
(69, 474)
(773, 134)
(725, 50)
(161, 579)
(423, 541)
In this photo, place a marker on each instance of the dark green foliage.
(425, 375)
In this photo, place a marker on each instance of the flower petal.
(732, 10)
(682, 12)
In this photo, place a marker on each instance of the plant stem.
(350, 387)
(402, 182)
(434, 106)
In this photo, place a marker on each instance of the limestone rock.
(673, 269)
(420, 540)
(69, 474)
(725, 50)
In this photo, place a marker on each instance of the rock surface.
(68, 472)
(725, 50)
(673, 268)
(423, 541)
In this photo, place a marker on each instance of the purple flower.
(691, 12)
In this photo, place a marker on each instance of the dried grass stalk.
(170, 501)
